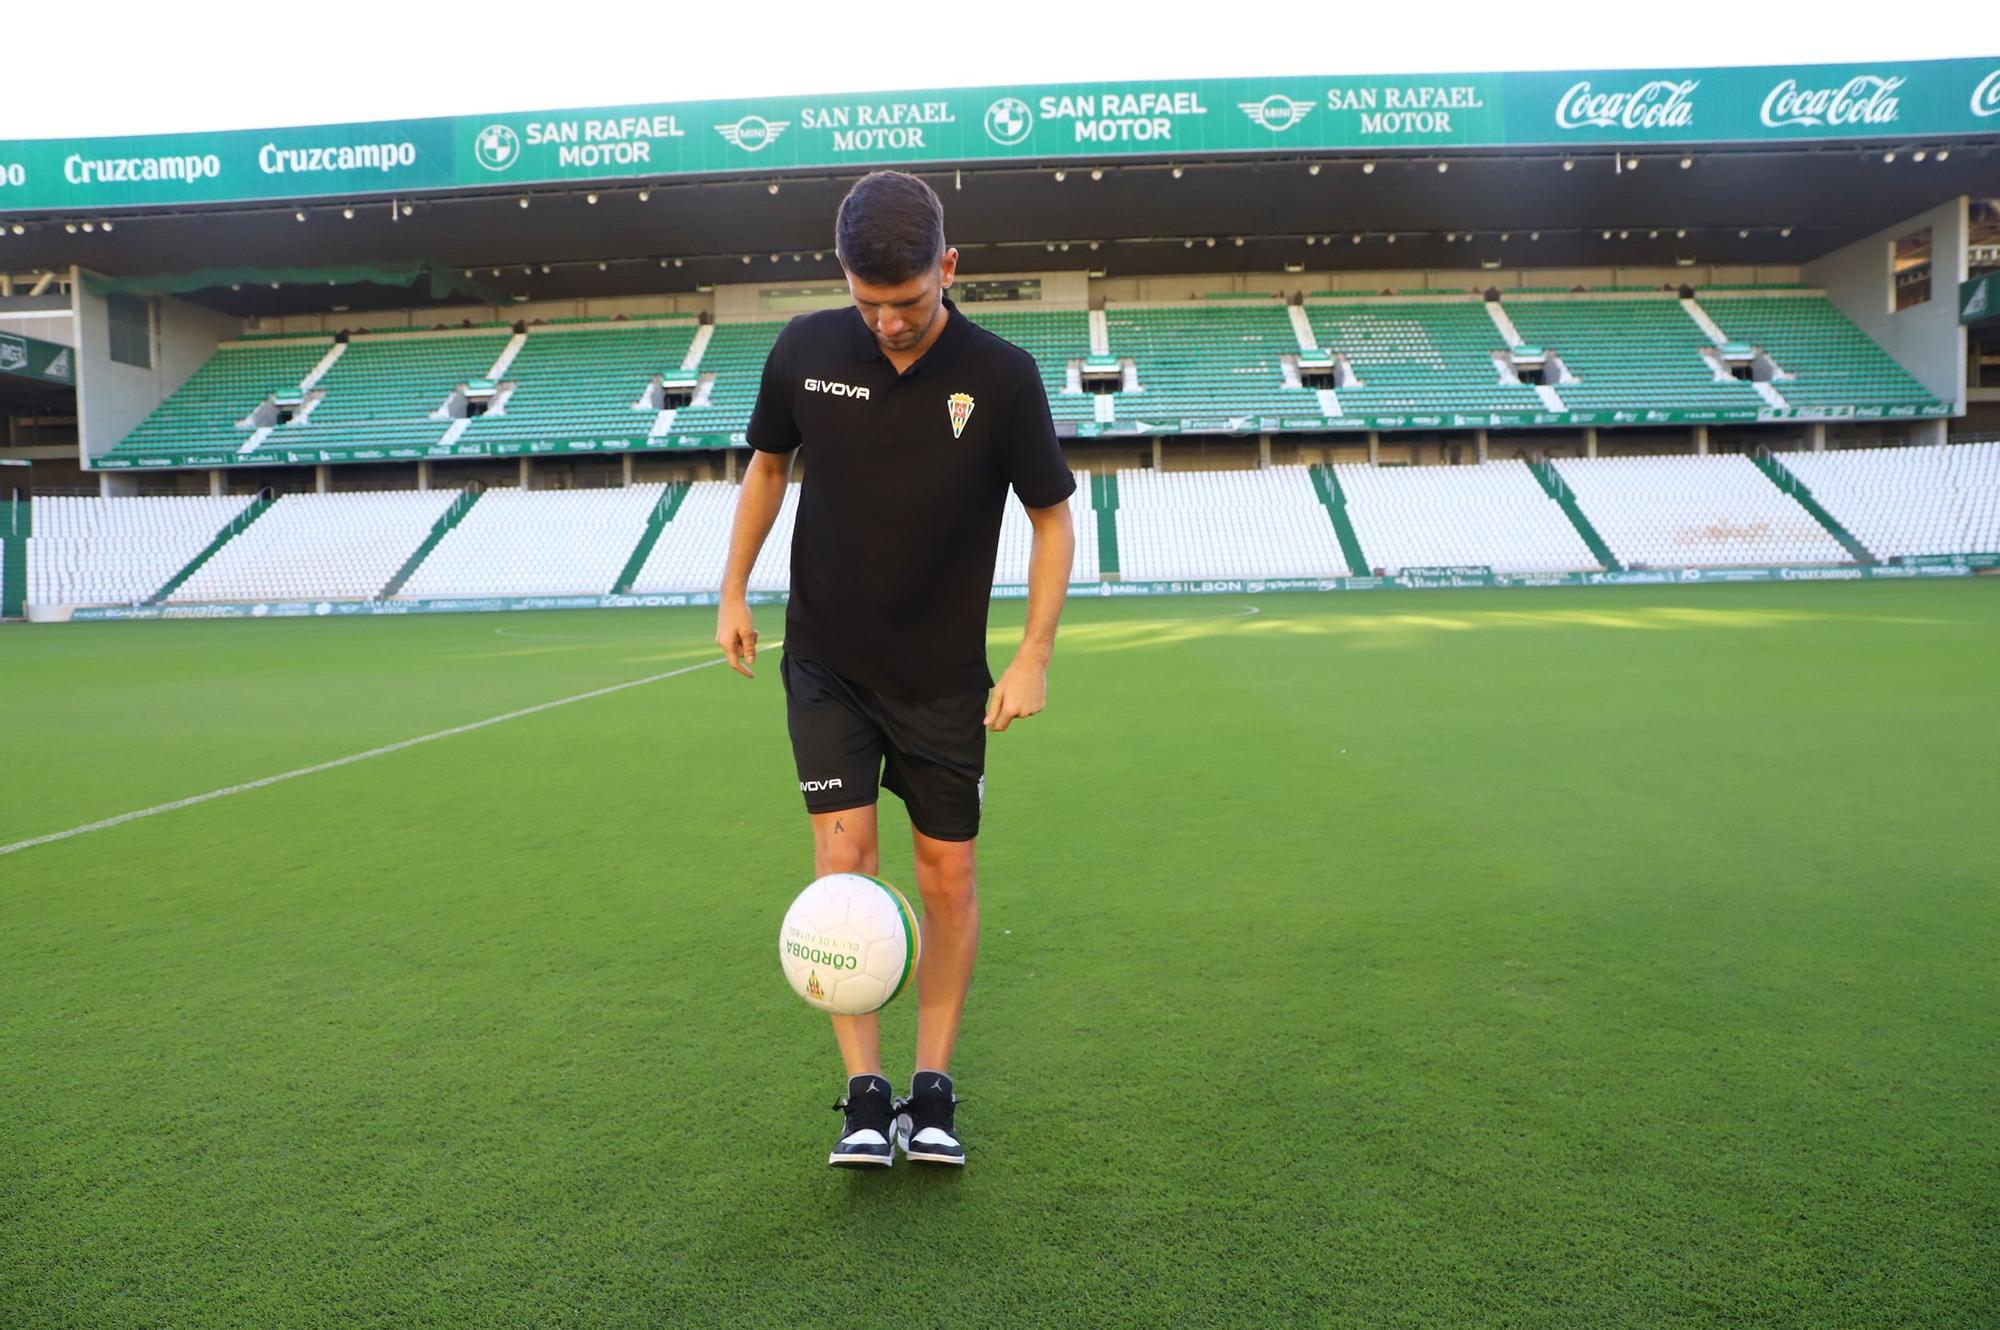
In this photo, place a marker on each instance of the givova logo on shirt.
(860, 394)
(960, 407)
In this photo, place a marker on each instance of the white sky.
(222, 64)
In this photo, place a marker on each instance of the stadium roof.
(1723, 166)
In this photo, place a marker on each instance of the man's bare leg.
(945, 879)
(844, 842)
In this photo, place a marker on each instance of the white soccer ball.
(849, 943)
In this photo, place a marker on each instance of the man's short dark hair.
(890, 228)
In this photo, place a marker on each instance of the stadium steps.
(1327, 485)
(452, 517)
(14, 533)
(1782, 477)
(656, 522)
(236, 527)
(1558, 489)
(1104, 498)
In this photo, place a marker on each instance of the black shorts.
(845, 735)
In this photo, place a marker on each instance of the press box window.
(131, 322)
(1913, 269)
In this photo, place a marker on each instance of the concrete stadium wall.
(111, 398)
(1926, 339)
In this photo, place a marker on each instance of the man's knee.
(946, 875)
(849, 854)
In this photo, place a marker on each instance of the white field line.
(349, 760)
(455, 730)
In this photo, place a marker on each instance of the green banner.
(1979, 299)
(32, 358)
(276, 454)
(1088, 121)
(1409, 580)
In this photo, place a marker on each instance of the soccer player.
(915, 422)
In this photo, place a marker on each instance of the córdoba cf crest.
(960, 407)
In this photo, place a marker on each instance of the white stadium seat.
(1907, 501)
(694, 546)
(1494, 513)
(537, 543)
(118, 551)
(1205, 524)
(320, 546)
(1688, 511)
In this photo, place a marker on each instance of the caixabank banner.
(1933, 99)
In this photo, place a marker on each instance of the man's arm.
(757, 504)
(1023, 688)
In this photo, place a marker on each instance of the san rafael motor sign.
(1091, 121)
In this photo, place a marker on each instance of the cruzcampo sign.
(32, 358)
(1093, 122)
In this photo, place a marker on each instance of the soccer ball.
(849, 943)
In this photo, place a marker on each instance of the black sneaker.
(924, 1121)
(864, 1139)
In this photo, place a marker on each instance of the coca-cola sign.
(1661, 104)
(1865, 99)
(1986, 97)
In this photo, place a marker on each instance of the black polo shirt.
(906, 480)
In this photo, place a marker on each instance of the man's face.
(900, 316)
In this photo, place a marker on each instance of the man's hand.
(736, 634)
(1023, 690)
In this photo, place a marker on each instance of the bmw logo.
(1008, 121)
(497, 147)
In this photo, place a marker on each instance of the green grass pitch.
(1529, 959)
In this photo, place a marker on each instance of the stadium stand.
(735, 356)
(1206, 524)
(380, 394)
(1054, 338)
(1213, 365)
(529, 543)
(118, 551)
(1677, 512)
(1432, 516)
(1635, 354)
(1829, 360)
(1207, 363)
(1017, 539)
(312, 546)
(586, 383)
(200, 418)
(1903, 502)
(1433, 355)
(692, 548)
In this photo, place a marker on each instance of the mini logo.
(813, 990)
(1009, 121)
(1986, 97)
(837, 389)
(1661, 104)
(960, 407)
(497, 147)
(753, 133)
(1276, 113)
(1865, 99)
